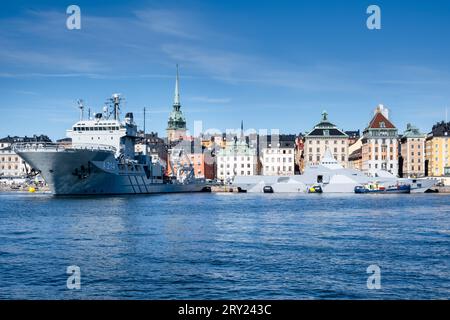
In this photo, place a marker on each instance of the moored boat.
(378, 188)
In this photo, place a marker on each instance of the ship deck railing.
(55, 147)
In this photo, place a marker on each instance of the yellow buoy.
(31, 189)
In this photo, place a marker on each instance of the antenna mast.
(116, 99)
(81, 106)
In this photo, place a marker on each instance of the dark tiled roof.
(285, 140)
(355, 155)
(35, 138)
(332, 132)
(353, 134)
(441, 129)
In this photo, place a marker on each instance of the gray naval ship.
(102, 160)
(331, 177)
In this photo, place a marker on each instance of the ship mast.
(116, 102)
(81, 106)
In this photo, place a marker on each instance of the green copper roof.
(176, 118)
(412, 132)
(237, 148)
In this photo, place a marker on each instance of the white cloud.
(168, 22)
(204, 99)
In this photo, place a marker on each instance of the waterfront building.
(355, 159)
(299, 156)
(152, 145)
(217, 140)
(11, 165)
(236, 159)
(278, 156)
(193, 154)
(437, 150)
(176, 125)
(326, 135)
(412, 153)
(65, 142)
(353, 137)
(380, 144)
(355, 154)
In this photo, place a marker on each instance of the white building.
(278, 156)
(236, 159)
(11, 165)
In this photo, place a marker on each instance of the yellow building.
(437, 150)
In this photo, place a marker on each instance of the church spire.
(176, 100)
(242, 129)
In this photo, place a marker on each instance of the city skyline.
(272, 67)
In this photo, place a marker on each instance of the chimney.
(383, 110)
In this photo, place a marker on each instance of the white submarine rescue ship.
(102, 160)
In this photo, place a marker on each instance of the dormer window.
(382, 124)
(326, 132)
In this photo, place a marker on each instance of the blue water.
(225, 246)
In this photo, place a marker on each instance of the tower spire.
(176, 100)
(242, 129)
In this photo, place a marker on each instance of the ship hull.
(338, 182)
(84, 172)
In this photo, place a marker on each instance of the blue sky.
(273, 64)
